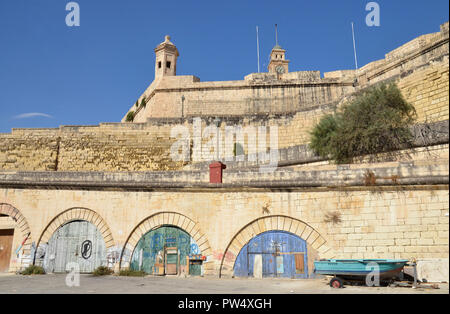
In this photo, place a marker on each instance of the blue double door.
(273, 254)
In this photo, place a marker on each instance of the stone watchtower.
(166, 59)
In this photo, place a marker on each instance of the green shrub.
(132, 273)
(130, 116)
(322, 135)
(102, 271)
(33, 270)
(143, 103)
(377, 120)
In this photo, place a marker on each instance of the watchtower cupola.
(166, 59)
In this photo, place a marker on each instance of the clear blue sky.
(95, 72)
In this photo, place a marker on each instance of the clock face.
(279, 69)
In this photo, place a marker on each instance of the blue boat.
(358, 269)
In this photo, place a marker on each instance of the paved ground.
(17, 284)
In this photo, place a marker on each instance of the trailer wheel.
(336, 283)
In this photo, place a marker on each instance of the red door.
(6, 241)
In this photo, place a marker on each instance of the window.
(168, 64)
(159, 65)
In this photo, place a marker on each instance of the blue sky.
(52, 74)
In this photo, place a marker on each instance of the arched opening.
(167, 250)
(190, 252)
(77, 235)
(15, 239)
(77, 242)
(316, 244)
(273, 254)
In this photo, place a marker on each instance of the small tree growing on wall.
(377, 120)
(143, 103)
(130, 116)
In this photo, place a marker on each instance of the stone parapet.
(369, 175)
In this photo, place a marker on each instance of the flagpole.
(276, 34)
(257, 46)
(354, 47)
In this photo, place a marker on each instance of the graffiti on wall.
(113, 255)
(150, 249)
(229, 257)
(86, 249)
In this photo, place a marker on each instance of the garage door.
(165, 250)
(75, 242)
(273, 254)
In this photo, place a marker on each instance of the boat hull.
(360, 268)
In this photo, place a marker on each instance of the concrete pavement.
(56, 283)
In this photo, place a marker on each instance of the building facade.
(114, 195)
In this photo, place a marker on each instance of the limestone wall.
(401, 222)
(386, 210)
(147, 147)
(428, 91)
(31, 151)
(170, 99)
(415, 54)
(87, 149)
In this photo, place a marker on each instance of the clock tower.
(278, 63)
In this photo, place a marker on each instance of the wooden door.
(6, 241)
(299, 263)
(77, 242)
(171, 261)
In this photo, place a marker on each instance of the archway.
(273, 254)
(150, 230)
(77, 242)
(23, 251)
(76, 235)
(167, 250)
(272, 223)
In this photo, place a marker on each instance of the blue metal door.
(283, 254)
